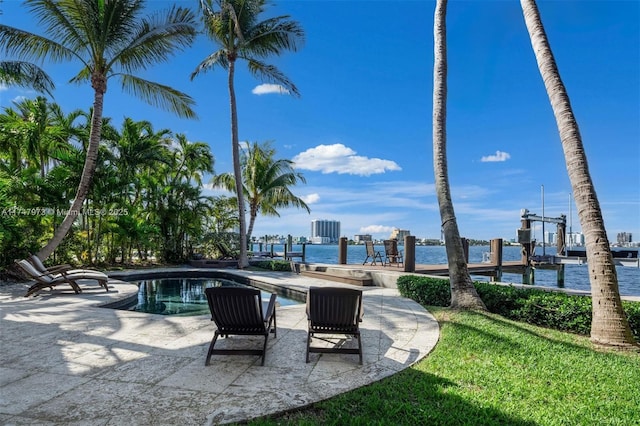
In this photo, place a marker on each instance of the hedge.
(273, 265)
(532, 305)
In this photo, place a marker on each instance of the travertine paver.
(68, 361)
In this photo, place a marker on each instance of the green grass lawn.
(486, 370)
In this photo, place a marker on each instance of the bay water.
(576, 276)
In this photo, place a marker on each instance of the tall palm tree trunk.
(609, 326)
(463, 292)
(253, 213)
(100, 86)
(243, 261)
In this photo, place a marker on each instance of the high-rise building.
(624, 237)
(325, 231)
(575, 239)
(550, 237)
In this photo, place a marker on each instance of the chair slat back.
(338, 309)
(391, 247)
(236, 309)
(37, 263)
(370, 249)
(33, 273)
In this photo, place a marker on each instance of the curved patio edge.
(68, 360)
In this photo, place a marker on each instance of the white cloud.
(376, 229)
(311, 198)
(499, 156)
(3, 87)
(266, 89)
(340, 159)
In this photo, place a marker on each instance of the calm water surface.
(184, 296)
(576, 276)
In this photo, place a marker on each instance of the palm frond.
(218, 58)
(24, 45)
(25, 74)
(270, 73)
(224, 181)
(274, 36)
(157, 38)
(159, 95)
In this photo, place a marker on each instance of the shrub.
(632, 309)
(556, 310)
(425, 290)
(273, 265)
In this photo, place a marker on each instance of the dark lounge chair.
(392, 254)
(44, 280)
(334, 310)
(239, 311)
(226, 253)
(372, 253)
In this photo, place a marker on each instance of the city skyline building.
(325, 231)
(624, 238)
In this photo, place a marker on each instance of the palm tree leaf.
(273, 36)
(24, 45)
(157, 38)
(25, 74)
(270, 73)
(225, 181)
(218, 58)
(159, 95)
(87, 27)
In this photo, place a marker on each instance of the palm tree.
(137, 149)
(108, 38)
(463, 292)
(266, 183)
(178, 200)
(25, 74)
(32, 132)
(236, 29)
(609, 325)
(44, 130)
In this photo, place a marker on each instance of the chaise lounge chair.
(334, 310)
(372, 253)
(44, 280)
(239, 311)
(226, 253)
(58, 269)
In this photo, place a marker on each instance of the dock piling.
(496, 258)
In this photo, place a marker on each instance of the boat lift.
(524, 233)
(529, 259)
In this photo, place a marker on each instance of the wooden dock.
(488, 269)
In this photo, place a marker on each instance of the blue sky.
(361, 131)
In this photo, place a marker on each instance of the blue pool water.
(184, 296)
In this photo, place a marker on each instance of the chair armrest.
(59, 268)
(271, 308)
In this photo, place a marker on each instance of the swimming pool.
(184, 296)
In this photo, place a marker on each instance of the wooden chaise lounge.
(334, 310)
(44, 280)
(66, 269)
(239, 311)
